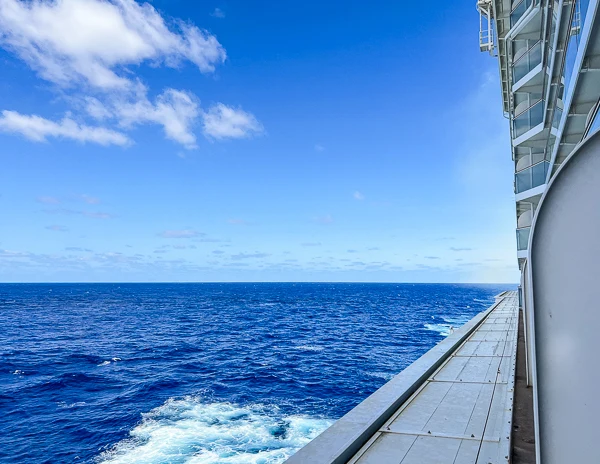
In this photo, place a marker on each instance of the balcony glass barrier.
(528, 119)
(557, 117)
(531, 177)
(527, 62)
(523, 238)
(519, 10)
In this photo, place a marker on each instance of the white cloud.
(175, 110)
(91, 48)
(96, 109)
(319, 147)
(326, 220)
(358, 196)
(89, 199)
(56, 228)
(91, 41)
(49, 200)
(238, 222)
(185, 233)
(39, 129)
(218, 13)
(222, 121)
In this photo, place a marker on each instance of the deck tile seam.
(442, 435)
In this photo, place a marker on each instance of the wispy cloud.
(72, 212)
(175, 110)
(238, 222)
(184, 247)
(327, 219)
(358, 196)
(209, 240)
(79, 249)
(40, 129)
(90, 200)
(184, 233)
(460, 249)
(352, 251)
(222, 121)
(218, 252)
(48, 200)
(319, 147)
(218, 13)
(240, 256)
(311, 244)
(431, 257)
(57, 228)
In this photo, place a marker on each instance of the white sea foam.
(381, 375)
(456, 321)
(65, 405)
(18, 372)
(442, 329)
(104, 363)
(310, 347)
(194, 432)
(451, 324)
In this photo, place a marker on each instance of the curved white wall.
(565, 271)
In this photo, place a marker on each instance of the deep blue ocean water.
(203, 373)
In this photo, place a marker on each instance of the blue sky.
(251, 141)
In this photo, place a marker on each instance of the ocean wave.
(192, 431)
(65, 405)
(443, 329)
(310, 347)
(382, 375)
(456, 321)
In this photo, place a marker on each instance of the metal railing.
(523, 238)
(531, 177)
(519, 10)
(527, 62)
(528, 119)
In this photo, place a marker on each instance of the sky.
(251, 141)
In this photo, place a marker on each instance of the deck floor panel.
(462, 413)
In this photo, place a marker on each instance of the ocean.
(204, 373)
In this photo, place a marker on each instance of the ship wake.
(191, 431)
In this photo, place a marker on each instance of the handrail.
(528, 108)
(526, 53)
(532, 165)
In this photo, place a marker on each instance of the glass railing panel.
(523, 238)
(519, 11)
(556, 117)
(527, 62)
(531, 177)
(528, 119)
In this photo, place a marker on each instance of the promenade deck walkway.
(459, 413)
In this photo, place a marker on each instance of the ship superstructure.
(548, 54)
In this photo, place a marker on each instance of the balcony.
(531, 177)
(528, 119)
(519, 10)
(526, 61)
(523, 238)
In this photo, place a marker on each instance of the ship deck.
(459, 412)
